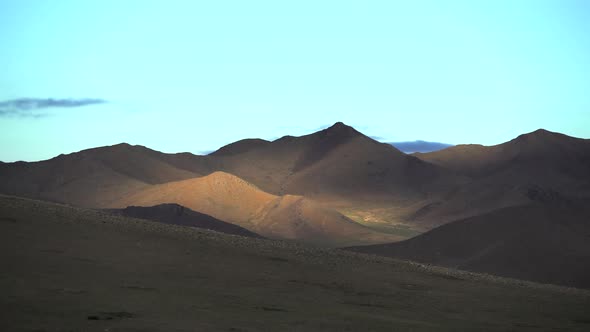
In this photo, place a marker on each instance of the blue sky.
(195, 75)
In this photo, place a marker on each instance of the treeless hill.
(363, 169)
(338, 165)
(297, 218)
(219, 194)
(532, 167)
(72, 269)
(95, 177)
(538, 242)
(175, 214)
(229, 198)
(241, 146)
(372, 182)
(560, 153)
(313, 165)
(337, 162)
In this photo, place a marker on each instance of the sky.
(195, 75)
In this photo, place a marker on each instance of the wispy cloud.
(377, 138)
(34, 107)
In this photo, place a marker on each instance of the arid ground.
(72, 269)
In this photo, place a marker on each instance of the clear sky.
(195, 75)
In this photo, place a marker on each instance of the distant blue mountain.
(419, 146)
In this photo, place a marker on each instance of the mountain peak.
(539, 133)
(542, 131)
(341, 130)
(539, 136)
(324, 141)
(339, 126)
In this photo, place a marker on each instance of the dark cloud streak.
(31, 107)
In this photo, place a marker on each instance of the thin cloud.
(377, 138)
(33, 107)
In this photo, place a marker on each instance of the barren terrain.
(71, 269)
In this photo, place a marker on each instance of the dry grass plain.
(71, 269)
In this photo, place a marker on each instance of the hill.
(370, 182)
(337, 163)
(539, 242)
(535, 167)
(95, 177)
(175, 214)
(70, 269)
(552, 152)
(229, 198)
(337, 166)
(241, 146)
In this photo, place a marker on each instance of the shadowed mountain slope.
(94, 177)
(370, 182)
(543, 243)
(175, 214)
(373, 183)
(534, 167)
(241, 146)
(337, 162)
(562, 154)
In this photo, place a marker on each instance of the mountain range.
(480, 208)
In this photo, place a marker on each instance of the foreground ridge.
(165, 277)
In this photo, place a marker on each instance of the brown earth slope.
(240, 146)
(369, 182)
(534, 167)
(560, 153)
(175, 214)
(95, 177)
(539, 242)
(229, 198)
(70, 269)
(366, 180)
(337, 163)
